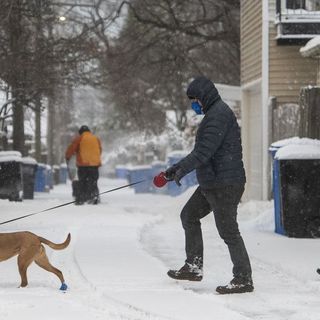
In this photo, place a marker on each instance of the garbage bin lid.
(10, 153)
(29, 160)
(299, 152)
(140, 167)
(10, 159)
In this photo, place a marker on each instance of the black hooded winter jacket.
(217, 154)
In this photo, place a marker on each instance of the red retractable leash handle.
(160, 180)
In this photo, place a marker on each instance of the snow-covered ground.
(121, 250)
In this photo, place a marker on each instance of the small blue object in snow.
(63, 287)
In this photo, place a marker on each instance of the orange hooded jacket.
(87, 146)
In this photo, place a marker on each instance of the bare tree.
(162, 45)
(38, 55)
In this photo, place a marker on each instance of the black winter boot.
(237, 285)
(191, 272)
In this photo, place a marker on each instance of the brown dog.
(29, 248)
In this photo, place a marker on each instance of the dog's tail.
(56, 246)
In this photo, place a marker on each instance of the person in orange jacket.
(87, 148)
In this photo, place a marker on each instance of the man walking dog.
(217, 159)
(87, 148)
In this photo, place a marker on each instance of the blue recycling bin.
(10, 175)
(296, 187)
(279, 228)
(29, 168)
(138, 173)
(122, 172)
(192, 179)
(40, 178)
(49, 177)
(173, 189)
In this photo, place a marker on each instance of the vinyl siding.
(288, 70)
(251, 40)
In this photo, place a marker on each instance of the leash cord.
(67, 203)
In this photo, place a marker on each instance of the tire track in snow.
(98, 298)
(278, 294)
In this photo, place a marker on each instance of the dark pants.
(88, 183)
(223, 201)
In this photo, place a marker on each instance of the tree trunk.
(18, 126)
(50, 129)
(38, 129)
(16, 43)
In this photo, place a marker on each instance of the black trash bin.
(56, 174)
(29, 168)
(10, 175)
(300, 194)
(300, 197)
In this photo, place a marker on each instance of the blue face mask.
(196, 107)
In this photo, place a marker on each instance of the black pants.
(88, 183)
(223, 201)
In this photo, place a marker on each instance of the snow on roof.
(312, 48)
(297, 148)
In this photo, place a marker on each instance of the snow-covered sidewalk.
(121, 250)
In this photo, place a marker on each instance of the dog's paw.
(63, 287)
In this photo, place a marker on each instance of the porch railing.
(300, 10)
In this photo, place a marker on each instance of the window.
(313, 5)
(296, 4)
(310, 5)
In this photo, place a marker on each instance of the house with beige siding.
(272, 73)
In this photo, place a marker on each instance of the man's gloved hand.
(170, 172)
(174, 173)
